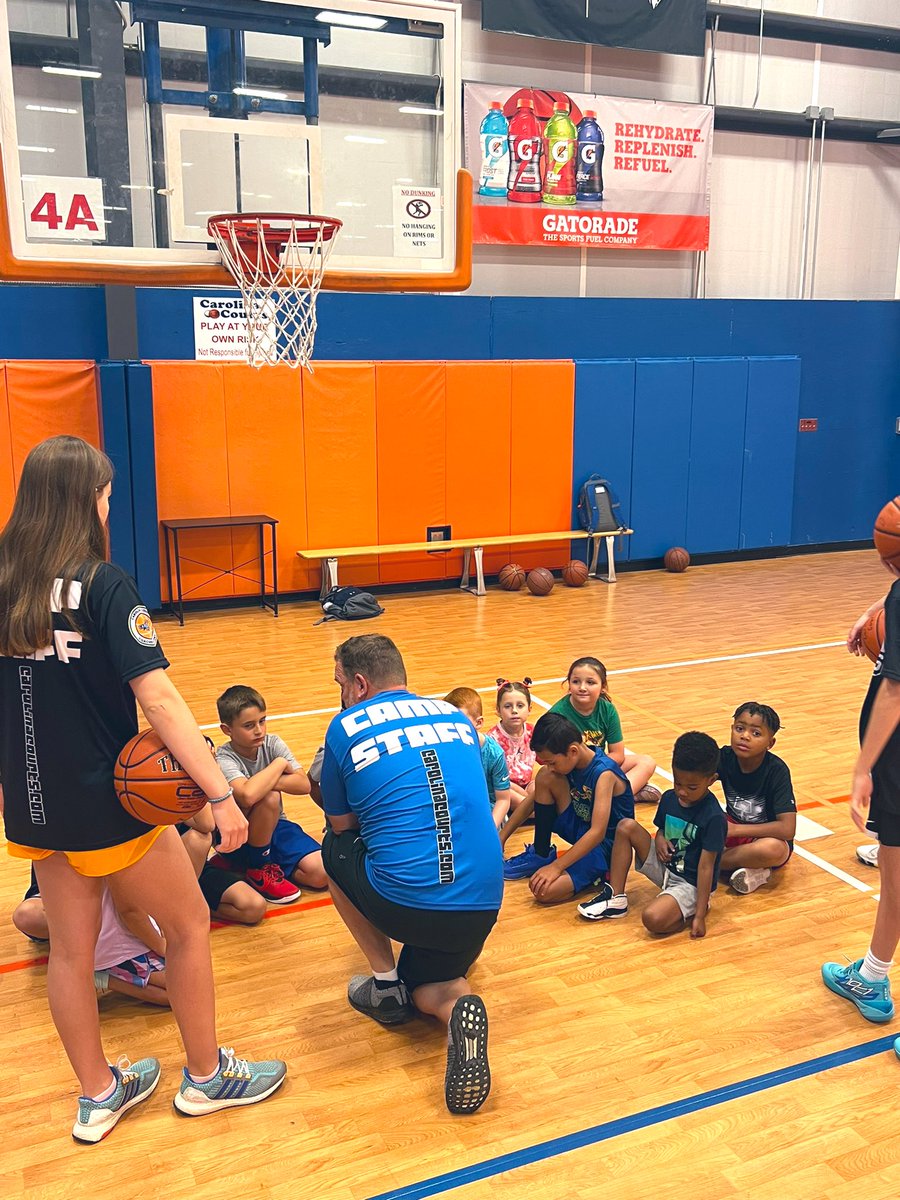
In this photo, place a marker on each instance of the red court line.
(319, 902)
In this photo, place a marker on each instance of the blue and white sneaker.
(236, 1083)
(524, 865)
(872, 999)
(605, 906)
(134, 1083)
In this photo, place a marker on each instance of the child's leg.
(760, 853)
(29, 918)
(262, 817)
(886, 933)
(241, 905)
(197, 845)
(663, 915)
(639, 768)
(72, 904)
(163, 883)
(551, 796)
(309, 871)
(154, 993)
(630, 836)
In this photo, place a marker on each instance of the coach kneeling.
(411, 854)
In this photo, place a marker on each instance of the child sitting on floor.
(468, 701)
(512, 733)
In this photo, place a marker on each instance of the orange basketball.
(872, 637)
(677, 559)
(151, 784)
(887, 532)
(511, 577)
(575, 573)
(540, 581)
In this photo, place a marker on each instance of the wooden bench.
(329, 557)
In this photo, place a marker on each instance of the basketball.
(677, 559)
(151, 784)
(872, 637)
(540, 581)
(575, 573)
(887, 532)
(511, 577)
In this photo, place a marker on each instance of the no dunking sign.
(417, 222)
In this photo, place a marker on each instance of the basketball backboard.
(124, 127)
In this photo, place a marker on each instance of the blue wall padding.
(604, 432)
(37, 321)
(770, 450)
(659, 479)
(143, 481)
(718, 410)
(114, 414)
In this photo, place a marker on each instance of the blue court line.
(640, 1120)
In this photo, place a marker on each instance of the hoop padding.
(278, 261)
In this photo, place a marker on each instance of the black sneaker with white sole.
(467, 1083)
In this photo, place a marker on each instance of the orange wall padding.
(41, 400)
(363, 454)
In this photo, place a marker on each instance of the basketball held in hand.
(152, 785)
(511, 577)
(677, 560)
(887, 532)
(575, 573)
(871, 639)
(540, 581)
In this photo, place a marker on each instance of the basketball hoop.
(278, 261)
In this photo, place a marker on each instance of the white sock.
(205, 1078)
(387, 976)
(107, 1091)
(873, 970)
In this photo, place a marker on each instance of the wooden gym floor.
(622, 1065)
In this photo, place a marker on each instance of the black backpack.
(597, 506)
(349, 604)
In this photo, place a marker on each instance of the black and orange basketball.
(872, 637)
(540, 581)
(887, 532)
(677, 559)
(152, 785)
(575, 573)
(511, 577)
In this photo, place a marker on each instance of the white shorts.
(683, 893)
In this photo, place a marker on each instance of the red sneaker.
(271, 884)
(222, 863)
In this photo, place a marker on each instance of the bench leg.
(594, 555)
(329, 576)
(480, 589)
(464, 581)
(610, 576)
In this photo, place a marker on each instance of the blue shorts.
(290, 845)
(591, 870)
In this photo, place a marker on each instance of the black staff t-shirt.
(886, 772)
(66, 712)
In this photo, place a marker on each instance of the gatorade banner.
(666, 26)
(559, 169)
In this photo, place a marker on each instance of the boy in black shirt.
(759, 799)
(876, 787)
(683, 858)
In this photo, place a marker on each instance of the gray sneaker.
(467, 1083)
(387, 1006)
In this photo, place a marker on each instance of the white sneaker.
(868, 854)
(748, 879)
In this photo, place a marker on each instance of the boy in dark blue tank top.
(581, 795)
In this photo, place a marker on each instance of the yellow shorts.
(96, 863)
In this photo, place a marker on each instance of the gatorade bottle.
(494, 152)
(560, 141)
(589, 172)
(525, 148)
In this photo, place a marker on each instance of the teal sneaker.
(134, 1083)
(236, 1083)
(872, 999)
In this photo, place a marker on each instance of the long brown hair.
(54, 532)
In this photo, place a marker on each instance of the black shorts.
(884, 823)
(438, 944)
(215, 883)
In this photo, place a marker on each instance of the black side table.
(176, 598)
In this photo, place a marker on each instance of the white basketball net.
(278, 262)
